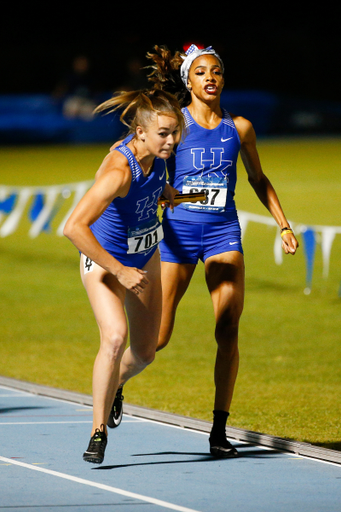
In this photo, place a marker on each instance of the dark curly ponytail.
(165, 73)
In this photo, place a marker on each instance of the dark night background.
(271, 47)
(291, 52)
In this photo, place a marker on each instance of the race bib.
(88, 264)
(144, 237)
(216, 191)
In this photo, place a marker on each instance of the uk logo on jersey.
(211, 159)
(147, 206)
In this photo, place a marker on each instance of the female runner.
(116, 229)
(210, 230)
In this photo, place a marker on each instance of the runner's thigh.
(144, 309)
(225, 281)
(106, 296)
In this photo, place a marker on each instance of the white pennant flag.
(39, 223)
(12, 221)
(81, 188)
(328, 235)
(243, 221)
(278, 251)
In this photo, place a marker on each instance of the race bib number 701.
(144, 238)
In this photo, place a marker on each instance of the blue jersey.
(129, 229)
(206, 160)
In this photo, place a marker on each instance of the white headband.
(192, 53)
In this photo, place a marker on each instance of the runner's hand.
(133, 279)
(168, 194)
(289, 243)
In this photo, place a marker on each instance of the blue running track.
(149, 466)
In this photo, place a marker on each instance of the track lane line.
(104, 487)
(41, 422)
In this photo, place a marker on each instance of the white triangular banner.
(278, 251)
(243, 221)
(328, 235)
(39, 223)
(12, 221)
(81, 189)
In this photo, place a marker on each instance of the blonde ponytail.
(140, 107)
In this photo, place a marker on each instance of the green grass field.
(289, 384)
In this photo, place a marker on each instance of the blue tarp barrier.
(38, 118)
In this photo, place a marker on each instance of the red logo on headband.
(198, 45)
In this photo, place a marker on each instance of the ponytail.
(140, 107)
(165, 73)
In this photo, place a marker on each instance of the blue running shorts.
(187, 242)
(129, 260)
(133, 260)
(119, 248)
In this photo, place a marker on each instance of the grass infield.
(289, 383)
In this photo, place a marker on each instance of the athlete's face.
(161, 135)
(205, 78)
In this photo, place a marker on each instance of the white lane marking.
(52, 422)
(13, 396)
(108, 488)
(42, 422)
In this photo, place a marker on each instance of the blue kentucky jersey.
(206, 160)
(119, 226)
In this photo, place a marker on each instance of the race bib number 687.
(216, 192)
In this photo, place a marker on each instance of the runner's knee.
(226, 331)
(165, 335)
(113, 345)
(143, 357)
(162, 343)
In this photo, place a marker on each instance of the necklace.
(147, 172)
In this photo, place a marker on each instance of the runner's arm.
(259, 181)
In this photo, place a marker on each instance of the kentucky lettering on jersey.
(147, 207)
(206, 160)
(212, 159)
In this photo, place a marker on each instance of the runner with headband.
(209, 230)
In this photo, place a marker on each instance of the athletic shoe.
(96, 448)
(222, 449)
(116, 413)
